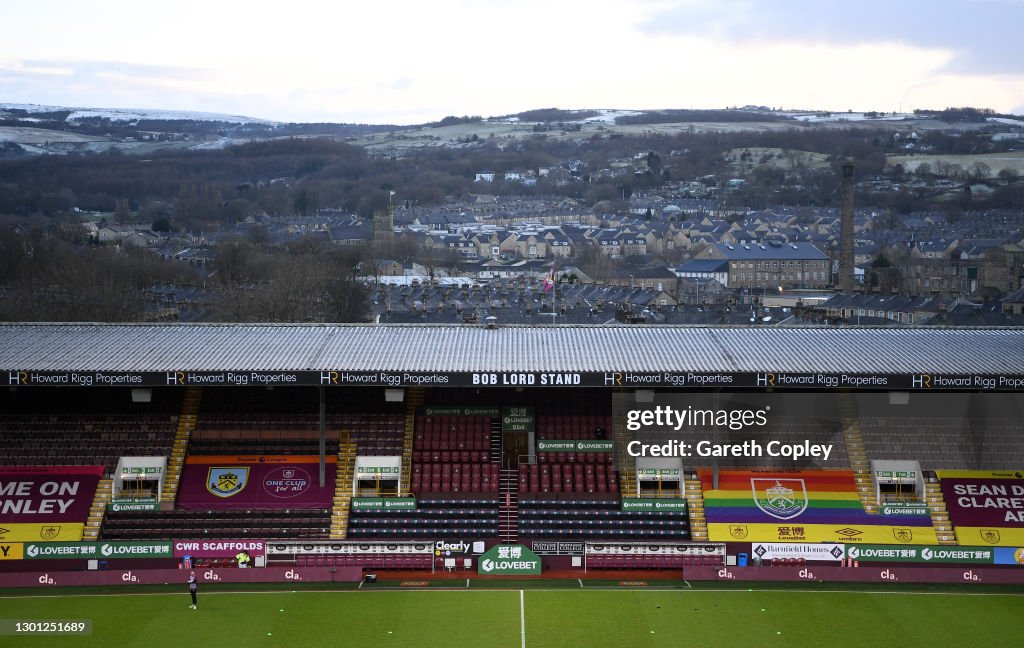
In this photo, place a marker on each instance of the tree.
(122, 212)
(162, 224)
(980, 171)
(1009, 174)
(305, 202)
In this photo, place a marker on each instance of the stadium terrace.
(420, 453)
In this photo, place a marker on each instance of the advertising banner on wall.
(34, 494)
(773, 550)
(991, 503)
(133, 504)
(658, 474)
(980, 474)
(904, 508)
(517, 419)
(846, 534)
(574, 445)
(359, 548)
(801, 506)
(218, 548)
(106, 577)
(464, 410)
(383, 504)
(41, 532)
(662, 505)
(655, 549)
(995, 536)
(11, 551)
(934, 555)
(264, 481)
(99, 550)
(509, 560)
(1009, 555)
(554, 547)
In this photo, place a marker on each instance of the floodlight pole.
(714, 463)
(323, 437)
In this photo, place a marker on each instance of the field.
(775, 158)
(537, 617)
(996, 161)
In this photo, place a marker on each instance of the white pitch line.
(522, 617)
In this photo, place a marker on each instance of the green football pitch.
(534, 617)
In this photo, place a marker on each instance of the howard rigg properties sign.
(612, 379)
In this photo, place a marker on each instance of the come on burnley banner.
(46, 503)
(257, 481)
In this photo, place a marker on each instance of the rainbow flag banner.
(800, 506)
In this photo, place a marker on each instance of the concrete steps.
(179, 448)
(98, 509)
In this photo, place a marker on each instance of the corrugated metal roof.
(426, 348)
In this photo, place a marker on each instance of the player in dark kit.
(192, 585)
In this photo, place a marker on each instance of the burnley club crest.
(227, 482)
(780, 498)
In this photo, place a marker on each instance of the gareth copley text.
(748, 448)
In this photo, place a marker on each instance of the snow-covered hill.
(116, 114)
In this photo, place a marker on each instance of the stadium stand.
(451, 454)
(270, 524)
(597, 519)
(977, 431)
(83, 427)
(434, 517)
(281, 422)
(468, 480)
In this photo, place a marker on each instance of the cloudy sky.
(397, 61)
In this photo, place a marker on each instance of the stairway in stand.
(496, 441)
(176, 462)
(343, 489)
(858, 455)
(413, 401)
(627, 483)
(695, 508)
(940, 516)
(104, 491)
(508, 510)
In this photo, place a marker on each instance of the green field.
(536, 617)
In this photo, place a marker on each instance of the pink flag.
(549, 281)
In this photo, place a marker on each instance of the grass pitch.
(537, 618)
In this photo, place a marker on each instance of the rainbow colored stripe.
(793, 497)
